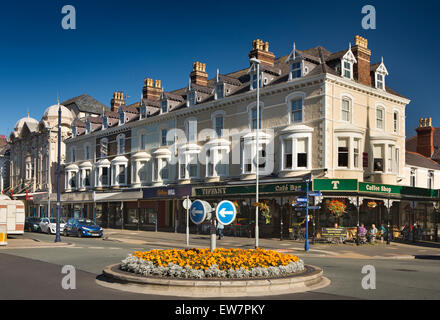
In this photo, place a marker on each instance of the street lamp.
(307, 181)
(256, 63)
(57, 237)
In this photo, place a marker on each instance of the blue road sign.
(198, 211)
(300, 208)
(315, 194)
(314, 207)
(225, 212)
(299, 199)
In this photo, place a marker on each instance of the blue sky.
(119, 43)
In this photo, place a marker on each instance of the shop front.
(276, 214)
(348, 203)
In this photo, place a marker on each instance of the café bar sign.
(250, 189)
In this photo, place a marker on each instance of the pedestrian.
(372, 233)
(220, 228)
(362, 233)
(383, 231)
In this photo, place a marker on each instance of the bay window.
(119, 171)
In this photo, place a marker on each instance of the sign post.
(187, 204)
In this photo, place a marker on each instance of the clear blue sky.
(119, 43)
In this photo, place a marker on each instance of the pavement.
(379, 250)
(20, 242)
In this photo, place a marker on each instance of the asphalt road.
(36, 274)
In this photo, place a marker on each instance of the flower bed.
(221, 263)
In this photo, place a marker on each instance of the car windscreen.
(86, 222)
(55, 221)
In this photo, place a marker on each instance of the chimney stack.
(260, 50)
(151, 91)
(199, 75)
(425, 137)
(361, 70)
(117, 101)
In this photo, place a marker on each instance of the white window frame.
(293, 138)
(380, 107)
(294, 70)
(105, 141)
(219, 86)
(252, 106)
(396, 124)
(118, 139)
(289, 101)
(214, 116)
(189, 121)
(163, 104)
(350, 108)
(88, 150)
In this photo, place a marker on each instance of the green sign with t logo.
(335, 184)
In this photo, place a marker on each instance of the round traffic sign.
(225, 212)
(187, 203)
(200, 211)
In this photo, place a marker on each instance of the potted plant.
(337, 207)
(265, 210)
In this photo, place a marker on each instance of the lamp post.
(306, 245)
(57, 237)
(256, 63)
(389, 214)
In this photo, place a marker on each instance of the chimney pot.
(260, 51)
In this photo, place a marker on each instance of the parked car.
(82, 228)
(32, 224)
(50, 225)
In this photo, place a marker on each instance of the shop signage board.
(225, 212)
(166, 192)
(250, 189)
(399, 190)
(335, 185)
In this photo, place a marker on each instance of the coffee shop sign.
(375, 188)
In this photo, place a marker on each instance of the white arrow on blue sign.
(198, 211)
(315, 194)
(299, 199)
(225, 212)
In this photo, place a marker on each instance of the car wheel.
(65, 233)
(79, 234)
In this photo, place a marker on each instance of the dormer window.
(296, 70)
(347, 69)
(74, 133)
(164, 106)
(121, 118)
(219, 91)
(105, 122)
(143, 112)
(191, 99)
(347, 62)
(379, 76)
(254, 81)
(88, 127)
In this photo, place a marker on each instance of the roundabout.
(200, 273)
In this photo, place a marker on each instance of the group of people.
(371, 234)
(413, 232)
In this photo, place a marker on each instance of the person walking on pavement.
(220, 228)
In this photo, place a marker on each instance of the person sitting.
(372, 233)
(383, 231)
(362, 233)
